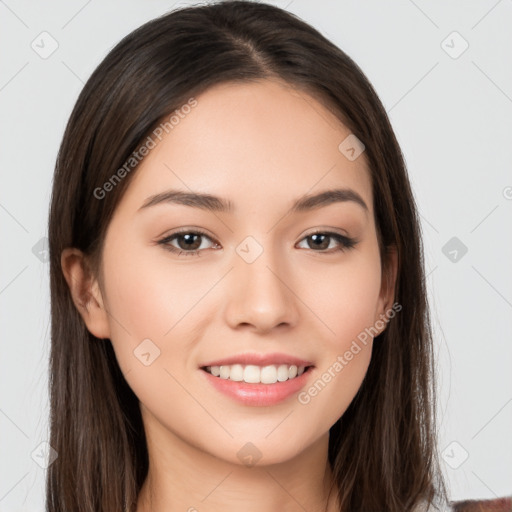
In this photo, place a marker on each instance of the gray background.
(451, 110)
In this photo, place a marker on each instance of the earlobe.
(85, 292)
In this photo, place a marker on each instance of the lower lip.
(258, 394)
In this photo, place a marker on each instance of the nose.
(261, 294)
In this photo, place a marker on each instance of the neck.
(183, 477)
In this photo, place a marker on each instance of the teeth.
(252, 374)
(237, 372)
(282, 373)
(269, 374)
(224, 372)
(255, 374)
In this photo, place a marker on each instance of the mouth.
(254, 374)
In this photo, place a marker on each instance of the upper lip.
(259, 360)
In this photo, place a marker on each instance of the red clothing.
(497, 505)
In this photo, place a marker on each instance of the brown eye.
(189, 241)
(186, 243)
(321, 241)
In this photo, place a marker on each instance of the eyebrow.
(213, 203)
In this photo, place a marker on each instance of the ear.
(388, 283)
(85, 292)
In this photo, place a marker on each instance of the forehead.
(261, 141)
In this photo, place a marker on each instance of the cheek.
(334, 386)
(349, 311)
(151, 310)
(344, 296)
(150, 296)
(146, 301)
(346, 302)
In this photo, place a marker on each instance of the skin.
(261, 145)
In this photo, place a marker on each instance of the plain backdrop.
(443, 72)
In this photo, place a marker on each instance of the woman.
(239, 311)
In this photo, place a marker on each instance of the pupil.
(318, 241)
(189, 241)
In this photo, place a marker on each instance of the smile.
(257, 385)
(253, 374)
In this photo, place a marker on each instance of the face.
(262, 289)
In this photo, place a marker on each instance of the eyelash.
(346, 243)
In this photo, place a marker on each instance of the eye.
(322, 240)
(189, 242)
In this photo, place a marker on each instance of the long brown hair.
(383, 449)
